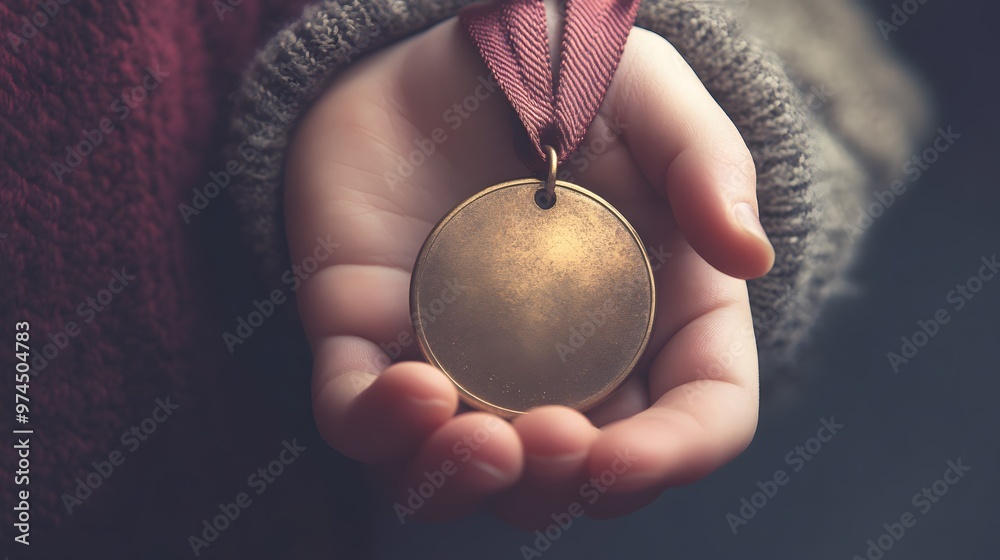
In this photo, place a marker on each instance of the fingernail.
(429, 403)
(631, 481)
(747, 218)
(490, 470)
(564, 458)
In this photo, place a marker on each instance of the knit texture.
(110, 114)
(816, 162)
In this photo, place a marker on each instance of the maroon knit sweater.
(110, 114)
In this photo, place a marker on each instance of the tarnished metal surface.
(522, 306)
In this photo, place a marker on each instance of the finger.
(471, 458)
(556, 444)
(689, 150)
(371, 415)
(704, 385)
(629, 400)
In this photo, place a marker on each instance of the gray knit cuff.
(786, 139)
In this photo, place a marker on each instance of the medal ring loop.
(545, 197)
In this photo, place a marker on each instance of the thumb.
(690, 151)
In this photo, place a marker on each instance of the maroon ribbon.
(512, 39)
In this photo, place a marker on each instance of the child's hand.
(672, 163)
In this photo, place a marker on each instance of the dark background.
(900, 428)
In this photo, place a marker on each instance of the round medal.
(537, 292)
(523, 306)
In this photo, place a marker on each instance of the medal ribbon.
(512, 39)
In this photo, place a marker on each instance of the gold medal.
(550, 296)
(538, 292)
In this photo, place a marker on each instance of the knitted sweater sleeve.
(804, 102)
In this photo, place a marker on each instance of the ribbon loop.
(512, 39)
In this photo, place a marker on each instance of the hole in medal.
(545, 199)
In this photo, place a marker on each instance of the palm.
(398, 141)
